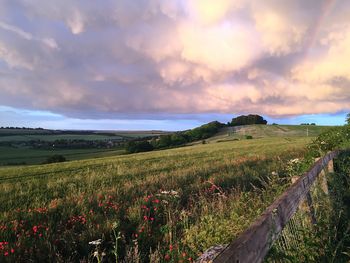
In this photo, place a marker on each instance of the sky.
(172, 65)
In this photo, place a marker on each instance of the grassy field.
(263, 131)
(26, 155)
(53, 137)
(160, 206)
(17, 144)
(15, 156)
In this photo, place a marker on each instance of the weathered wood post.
(311, 208)
(330, 166)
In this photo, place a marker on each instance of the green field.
(51, 212)
(14, 156)
(263, 131)
(53, 137)
(19, 146)
(22, 154)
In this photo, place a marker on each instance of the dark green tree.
(248, 120)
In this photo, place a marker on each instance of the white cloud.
(75, 22)
(88, 58)
(16, 30)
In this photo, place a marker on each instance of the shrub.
(249, 137)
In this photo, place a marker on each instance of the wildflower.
(167, 257)
(6, 253)
(172, 192)
(96, 242)
(12, 250)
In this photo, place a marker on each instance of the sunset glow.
(128, 61)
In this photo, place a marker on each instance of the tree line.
(183, 137)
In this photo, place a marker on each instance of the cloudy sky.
(155, 64)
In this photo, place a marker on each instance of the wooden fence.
(254, 243)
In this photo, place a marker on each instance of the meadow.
(264, 131)
(24, 156)
(22, 146)
(160, 206)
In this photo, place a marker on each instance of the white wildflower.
(172, 192)
(96, 242)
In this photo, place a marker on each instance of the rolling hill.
(264, 131)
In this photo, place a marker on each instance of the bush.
(249, 137)
(57, 158)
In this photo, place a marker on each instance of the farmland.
(34, 146)
(18, 156)
(168, 201)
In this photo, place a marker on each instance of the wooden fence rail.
(254, 243)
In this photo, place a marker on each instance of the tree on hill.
(248, 120)
(176, 139)
(348, 118)
(203, 132)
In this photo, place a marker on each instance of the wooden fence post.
(331, 166)
(311, 208)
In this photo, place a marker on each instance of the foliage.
(332, 139)
(176, 139)
(248, 120)
(203, 132)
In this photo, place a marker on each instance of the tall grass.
(159, 206)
